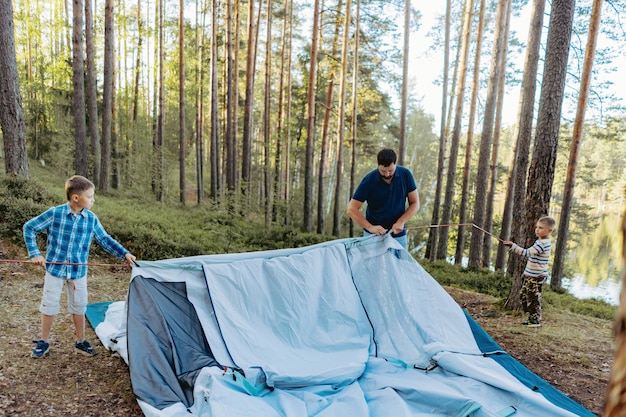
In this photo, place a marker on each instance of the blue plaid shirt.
(69, 239)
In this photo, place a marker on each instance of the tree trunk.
(215, 141)
(267, 171)
(182, 149)
(287, 165)
(92, 96)
(460, 242)
(486, 139)
(328, 110)
(11, 112)
(307, 221)
(355, 89)
(433, 233)
(81, 166)
(442, 249)
(107, 98)
(159, 153)
(230, 101)
(405, 81)
(583, 94)
(541, 172)
(280, 119)
(246, 153)
(135, 109)
(199, 120)
(513, 214)
(343, 78)
(493, 167)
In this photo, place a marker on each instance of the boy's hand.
(507, 243)
(130, 258)
(39, 260)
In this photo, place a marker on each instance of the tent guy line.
(453, 225)
(61, 263)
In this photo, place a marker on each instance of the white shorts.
(76, 290)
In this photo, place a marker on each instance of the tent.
(351, 327)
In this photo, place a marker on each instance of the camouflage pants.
(531, 297)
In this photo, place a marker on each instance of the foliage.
(590, 307)
(20, 200)
(498, 285)
(148, 229)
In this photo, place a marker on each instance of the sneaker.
(40, 350)
(531, 323)
(85, 348)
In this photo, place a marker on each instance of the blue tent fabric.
(350, 327)
(523, 374)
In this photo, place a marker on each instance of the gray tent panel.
(167, 341)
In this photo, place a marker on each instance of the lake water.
(594, 262)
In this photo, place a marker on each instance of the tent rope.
(62, 263)
(432, 226)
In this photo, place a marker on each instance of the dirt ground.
(572, 352)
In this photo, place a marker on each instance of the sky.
(426, 66)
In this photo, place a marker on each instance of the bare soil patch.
(572, 352)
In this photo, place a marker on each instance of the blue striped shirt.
(69, 239)
(538, 256)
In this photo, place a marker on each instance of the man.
(386, 190)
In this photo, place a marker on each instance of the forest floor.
(572, 352)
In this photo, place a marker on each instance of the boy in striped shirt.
(536, 270)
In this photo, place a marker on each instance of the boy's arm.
(31, 228)
(108, 243)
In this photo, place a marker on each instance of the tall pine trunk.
(307, 221)
(543, 162)
(343, 79)
(486, 139)
(570, 180)
(78, 93)
(182, 149)
(11, 113)
(431, 247)
(442, 249)
(92, 97)
(107, 98)
(514, 200)
(460, 241)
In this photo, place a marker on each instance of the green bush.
(20, 201)
(498, 285)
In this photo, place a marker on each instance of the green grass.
(498, 285)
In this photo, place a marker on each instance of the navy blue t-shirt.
(385, 202)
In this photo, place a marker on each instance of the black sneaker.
(85, 348)
(531, 323)
(40, 350)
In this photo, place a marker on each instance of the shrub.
(21, 200)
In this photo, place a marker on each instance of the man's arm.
(414, 206)
(354, 211)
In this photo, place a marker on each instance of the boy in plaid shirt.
(70, 229)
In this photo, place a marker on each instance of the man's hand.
(377, 230)
(397, 228)
(39, 260)
(130, 258)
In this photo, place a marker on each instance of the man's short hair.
(386, 157)
(548, 221)
(76, 185)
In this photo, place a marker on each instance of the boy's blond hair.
(76, 185)
(548, 221)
